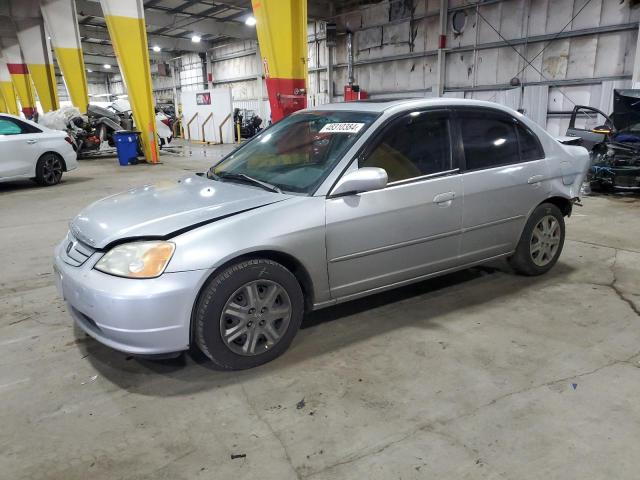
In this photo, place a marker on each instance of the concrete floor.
(476, 375)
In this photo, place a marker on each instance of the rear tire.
(541, 241)
(248, 314)
(49, 170)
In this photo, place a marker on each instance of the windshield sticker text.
(342, 128)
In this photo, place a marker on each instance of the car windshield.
(297, 153)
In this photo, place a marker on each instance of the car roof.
(30, 122)
(399, 105)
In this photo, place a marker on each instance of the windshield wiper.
(245, 178)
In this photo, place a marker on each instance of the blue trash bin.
(127, 146)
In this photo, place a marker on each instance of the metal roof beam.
(157, 17)
(164, 42)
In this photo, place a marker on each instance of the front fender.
(295, 228)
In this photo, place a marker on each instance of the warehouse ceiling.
(171, 24)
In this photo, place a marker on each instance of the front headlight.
(137, 259)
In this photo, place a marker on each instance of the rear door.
(19, 147)
(583, 123)
(504, 176)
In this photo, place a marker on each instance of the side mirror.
(602, 129)
(364, 179)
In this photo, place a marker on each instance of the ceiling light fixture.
(107, 66)
(156, 48)
(89, 70)
(250, 21)
(195, 39)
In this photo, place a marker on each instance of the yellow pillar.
(19, 76)
(125, 21)
(62, 26)
(282, 35)
(7, 91)
(35, 50)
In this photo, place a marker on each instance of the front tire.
(49, 170)
(541, 241)
(248, 314)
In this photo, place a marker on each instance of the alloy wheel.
(52, 170)
(255, 317)
(545, 240)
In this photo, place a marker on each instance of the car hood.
(626, 109)
(166, 209)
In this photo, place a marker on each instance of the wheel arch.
(564, 204)
(287, 260)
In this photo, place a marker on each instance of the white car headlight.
(137, 259)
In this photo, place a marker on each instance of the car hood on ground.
(166, 208)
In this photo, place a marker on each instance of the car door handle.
(535, 179)
(31, 142)
(444, 198)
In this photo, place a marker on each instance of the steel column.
(282, 36)
(19, 76)
(35, 50)
(7, 92)
(61, 23)
(125, 21)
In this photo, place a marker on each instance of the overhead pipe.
(350, 79)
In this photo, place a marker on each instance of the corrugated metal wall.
(579, 50)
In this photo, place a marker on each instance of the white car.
(29, 150)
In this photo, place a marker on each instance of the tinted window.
(489, 140)
(7, 127)
(415, 145)
(530, 148)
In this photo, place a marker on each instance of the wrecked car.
(250, 123)
(613, 140)
(93, 133)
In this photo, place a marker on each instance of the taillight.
(70, 142)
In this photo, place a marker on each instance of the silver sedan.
(325, 206)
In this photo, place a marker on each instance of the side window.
(7, 127)
(414, 145)
(489, 140)
(26, 128)
(530, 148)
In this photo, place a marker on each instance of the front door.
(584, 122)
(410, 228)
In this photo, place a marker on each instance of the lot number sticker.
(342, 128)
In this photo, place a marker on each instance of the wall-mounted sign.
(203, 98)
